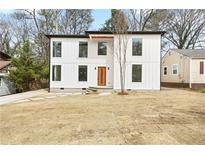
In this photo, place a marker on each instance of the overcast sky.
(99, 15)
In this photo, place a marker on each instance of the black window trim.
(132, 74)
(79, 73)
(79, 49)
(53, 50)
(98, 48)
(53, 73)
(132, 46)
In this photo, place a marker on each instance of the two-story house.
(82, 61)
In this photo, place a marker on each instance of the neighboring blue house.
(6, 87)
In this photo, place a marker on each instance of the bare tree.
(31, 25)
(121, 31)
(76, 21)
(50, 21)
(5, 35)
(139, 19)
(36, 24)
(158, 20)
(185, 28)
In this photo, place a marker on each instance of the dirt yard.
(163, 117)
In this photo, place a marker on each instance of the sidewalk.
(20, 96)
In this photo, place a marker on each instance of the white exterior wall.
(195, 76)
(150, 61)
(70, 61)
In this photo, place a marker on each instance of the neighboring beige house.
(183, 68)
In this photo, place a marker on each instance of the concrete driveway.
(38, 95)
(21, 96)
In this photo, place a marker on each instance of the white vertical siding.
(150, 61)
(70, 61)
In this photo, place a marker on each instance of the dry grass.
(202, 90)
(165, 117)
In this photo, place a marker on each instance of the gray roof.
(192, 53)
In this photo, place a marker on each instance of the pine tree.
(29, 69)
(108, 25)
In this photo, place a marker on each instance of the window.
(1, 81)
(137, 47)
(56, 73)
(82, 73)
(165, 70)
(56, 49)
(201, 67)
(83, 49)
(102, 48)
(175, 69)
(136, 73)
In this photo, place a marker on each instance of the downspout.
(49, 64)
(190, 69)
(160, 61)
(160, 64)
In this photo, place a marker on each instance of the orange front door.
(101, 76)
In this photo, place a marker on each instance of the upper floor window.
(137, 47)
(82, 73)
(56, 49)
(165, 70)
(56, 73)
(102, 48)
(175, 69)
(201, 67)
(83, 49)
(136, 73)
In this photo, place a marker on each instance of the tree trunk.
(122, 79)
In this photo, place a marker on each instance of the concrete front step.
(92, 89)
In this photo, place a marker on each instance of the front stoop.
(91, 90)
(97, 90)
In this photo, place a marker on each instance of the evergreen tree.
(29, 69)
(108, 25)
